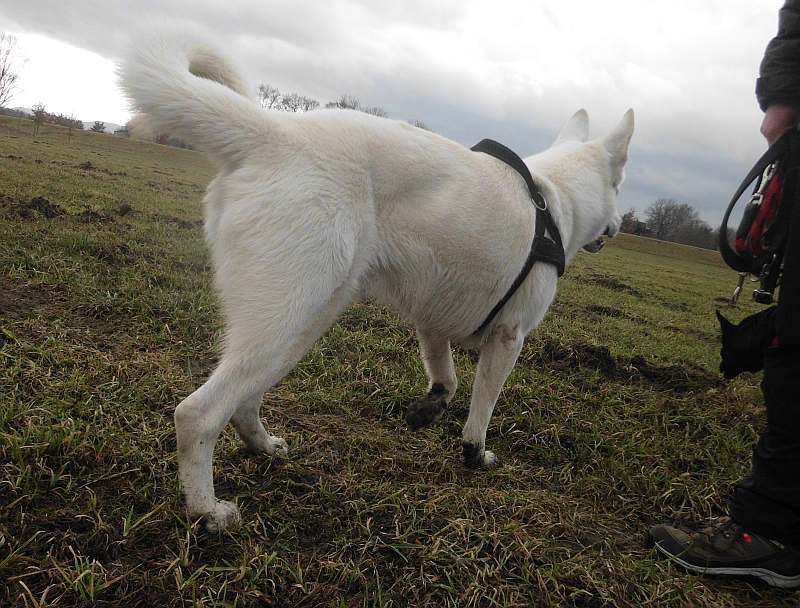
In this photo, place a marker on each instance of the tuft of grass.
(613, 419)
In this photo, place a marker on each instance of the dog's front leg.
(442, 381)
(497, 359)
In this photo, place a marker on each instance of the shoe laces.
(723, 532)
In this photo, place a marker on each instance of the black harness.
(549, 250)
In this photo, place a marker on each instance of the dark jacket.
(779, 82)
(780, 69)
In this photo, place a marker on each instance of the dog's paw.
(265, 443)
(424, 412)
(277, 446)
(475, 457)
(222, 515)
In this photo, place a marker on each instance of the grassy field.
(615, 418)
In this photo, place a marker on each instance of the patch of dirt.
(168, 219)
(93, 216)
(566, 356)
(575, 357)
(19, 301)
(88, 166)
(678, 378)
(38, 206)
(694, 333)
(124, 209)
(676, 306)
(41, 207)
(112, 253)
(158, 186)
(610, 282)
(615, 313)
(606, 311)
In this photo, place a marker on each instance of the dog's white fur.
(312, 211)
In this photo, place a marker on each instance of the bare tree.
(696, 232)
(269, 96)
(375, 111)
(72, 122)
(9, 67)
(272, 98)
(666, 215)
(420, 125)
(345, 102)
(348, 102)
(98, 127)
(292, 102)
(307, 104)
(39, 117)
(670, 220)
(630, 222)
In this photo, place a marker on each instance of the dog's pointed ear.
(616, 143)
(576, 129)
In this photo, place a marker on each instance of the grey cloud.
(693, 140)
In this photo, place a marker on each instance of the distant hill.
(87, 124)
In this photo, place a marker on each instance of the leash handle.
(732, 258)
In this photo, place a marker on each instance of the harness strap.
(543, 249)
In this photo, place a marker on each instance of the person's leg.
(768, 500)
(762, 537)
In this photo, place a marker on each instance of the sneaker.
(725, 548)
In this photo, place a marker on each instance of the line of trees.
(272, 98)
(668, 220)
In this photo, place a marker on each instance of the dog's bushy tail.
(189, 91)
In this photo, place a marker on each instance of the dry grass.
(614, 419)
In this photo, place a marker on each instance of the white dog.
(311, 211)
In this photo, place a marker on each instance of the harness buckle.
(543, 205)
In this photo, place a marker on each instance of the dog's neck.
(565, 176)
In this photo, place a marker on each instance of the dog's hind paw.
(223, 515)
(424, 412)
(272, 445)
(277, 446)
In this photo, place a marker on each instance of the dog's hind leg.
(279, 296)
(497, 359)
(251, 431)
(442, 381)
(257, 355)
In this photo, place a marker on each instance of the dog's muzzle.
(595, 246)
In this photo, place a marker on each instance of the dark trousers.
(767, 501)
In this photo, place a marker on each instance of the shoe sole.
(768, 576)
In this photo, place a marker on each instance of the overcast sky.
(512, 71)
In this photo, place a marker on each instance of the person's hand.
(778, 119)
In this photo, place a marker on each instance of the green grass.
(614, 418)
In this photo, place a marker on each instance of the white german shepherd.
(310, 212)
